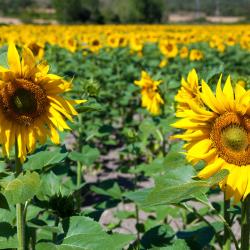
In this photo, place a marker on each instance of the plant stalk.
(245, 224)
(20, 215)
(227, 239)
(78, 183)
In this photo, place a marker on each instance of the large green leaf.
(82, 233)
(22, 188)
(174, 186)
(44, 159)
(175, 193)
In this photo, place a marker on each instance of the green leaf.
(114, 191)
(89, 107)
(160, 235)
(175, 194)
(82, 233)
(177, 245)
(4, 60)
(138, 196)
(215, 179)
(22, 188)
(87, 157)
(50, 246)
(174, 159)
(44, 159)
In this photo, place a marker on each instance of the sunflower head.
(31, 104)
(217, 130)
(151, 98)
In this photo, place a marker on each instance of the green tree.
(151, 10)
(78, 11)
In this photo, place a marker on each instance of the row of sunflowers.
(171, 39)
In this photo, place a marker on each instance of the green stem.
(56, 225)
(20, 217)
(79, 174)
(79, 165)
(245, 223)
(137, 223)
(227, 240)
(78, 183)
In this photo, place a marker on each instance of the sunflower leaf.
(22, 188)
(85, 234)
(43, 159)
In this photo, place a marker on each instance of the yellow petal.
(14, 59)
(28, 58)
(211, 169)
(209, 99)
(199, 148)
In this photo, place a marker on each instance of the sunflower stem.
(245, 223)
(20, 214)
(227, 239)
(79, 165)
(78, 183)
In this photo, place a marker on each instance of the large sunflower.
(31, 107)
(217, 130)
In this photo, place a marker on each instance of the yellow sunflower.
(189, 91)
(184, 52)
(37, 49)
(218, 132)
(168, 48)
(31, 106)
(151, 98)
(196, 55)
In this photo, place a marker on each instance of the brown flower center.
(22, 101)
(231, 137)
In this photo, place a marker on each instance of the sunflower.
(195, 55)
(189, 91)
(37, 49)
(184, 52)
(151, 98)
(218, 132)
(31, 108)
(168, 48)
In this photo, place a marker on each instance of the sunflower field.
(125, 137)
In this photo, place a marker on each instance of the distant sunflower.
(218, 132)
(151, 99)
(196, 55)
(31, 107)
(168, 48)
